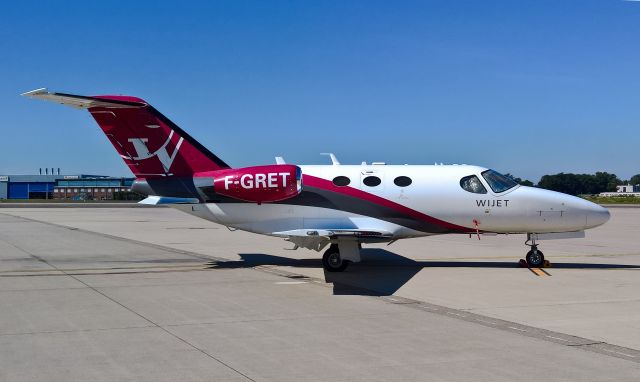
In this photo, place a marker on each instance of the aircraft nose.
(597, 215)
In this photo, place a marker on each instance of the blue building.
(86, 187)
(27, 186)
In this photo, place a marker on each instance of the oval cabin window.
(341, 181)
(371, 181)
(402, 181)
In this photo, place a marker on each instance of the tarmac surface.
(153, 294)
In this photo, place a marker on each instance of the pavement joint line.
(104, 272)
(97, 273)
(399, 300)
(531, 332)
(290, 282)
(74, 330)
(617, 352)
(279, 319)
(135, 268)
(39, 289)
(558, 338)
(487, 322)
(558, 304)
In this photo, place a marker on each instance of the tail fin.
(148, 142)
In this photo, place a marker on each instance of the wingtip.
(35, 92)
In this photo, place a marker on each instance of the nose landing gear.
(535, 257)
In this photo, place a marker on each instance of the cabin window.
(498, 182)
(341, 181)
(402, 181)
(472, 184)
(371, 181)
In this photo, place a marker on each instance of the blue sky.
(526, 87)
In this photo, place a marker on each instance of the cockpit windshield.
(472, 184)
(498, 182)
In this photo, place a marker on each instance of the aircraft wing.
(317, 239)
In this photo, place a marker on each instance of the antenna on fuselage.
(280, 160)
(334, 160)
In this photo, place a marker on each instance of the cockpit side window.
(498, 182)
(471, 183)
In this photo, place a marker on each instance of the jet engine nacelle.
(259, 184)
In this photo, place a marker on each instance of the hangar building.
(72, 187)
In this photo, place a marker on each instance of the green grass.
(612, 199)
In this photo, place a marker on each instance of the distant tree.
(576, 184)
(524, 182)
(634, 180)
(567, 183)
(605, 182)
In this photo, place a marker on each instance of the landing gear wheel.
(535, 258)
(331, 260)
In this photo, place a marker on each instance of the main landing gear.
(332, 261)
(339, 255)
(535, 257)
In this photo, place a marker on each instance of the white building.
(627, 188)
(624, 190)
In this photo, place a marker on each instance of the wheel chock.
(523, 263)
(547, 264)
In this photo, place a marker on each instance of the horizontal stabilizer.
(83, 102)
(160, 200)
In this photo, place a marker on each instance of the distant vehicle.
(339, 206)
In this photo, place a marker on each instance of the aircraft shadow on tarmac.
(381, 272)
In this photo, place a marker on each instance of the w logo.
(143, 153)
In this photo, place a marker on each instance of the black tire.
(535, 258)
(331, 260)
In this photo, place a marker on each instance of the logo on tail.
(143, 153)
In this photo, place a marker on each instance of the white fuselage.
(435, 191)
